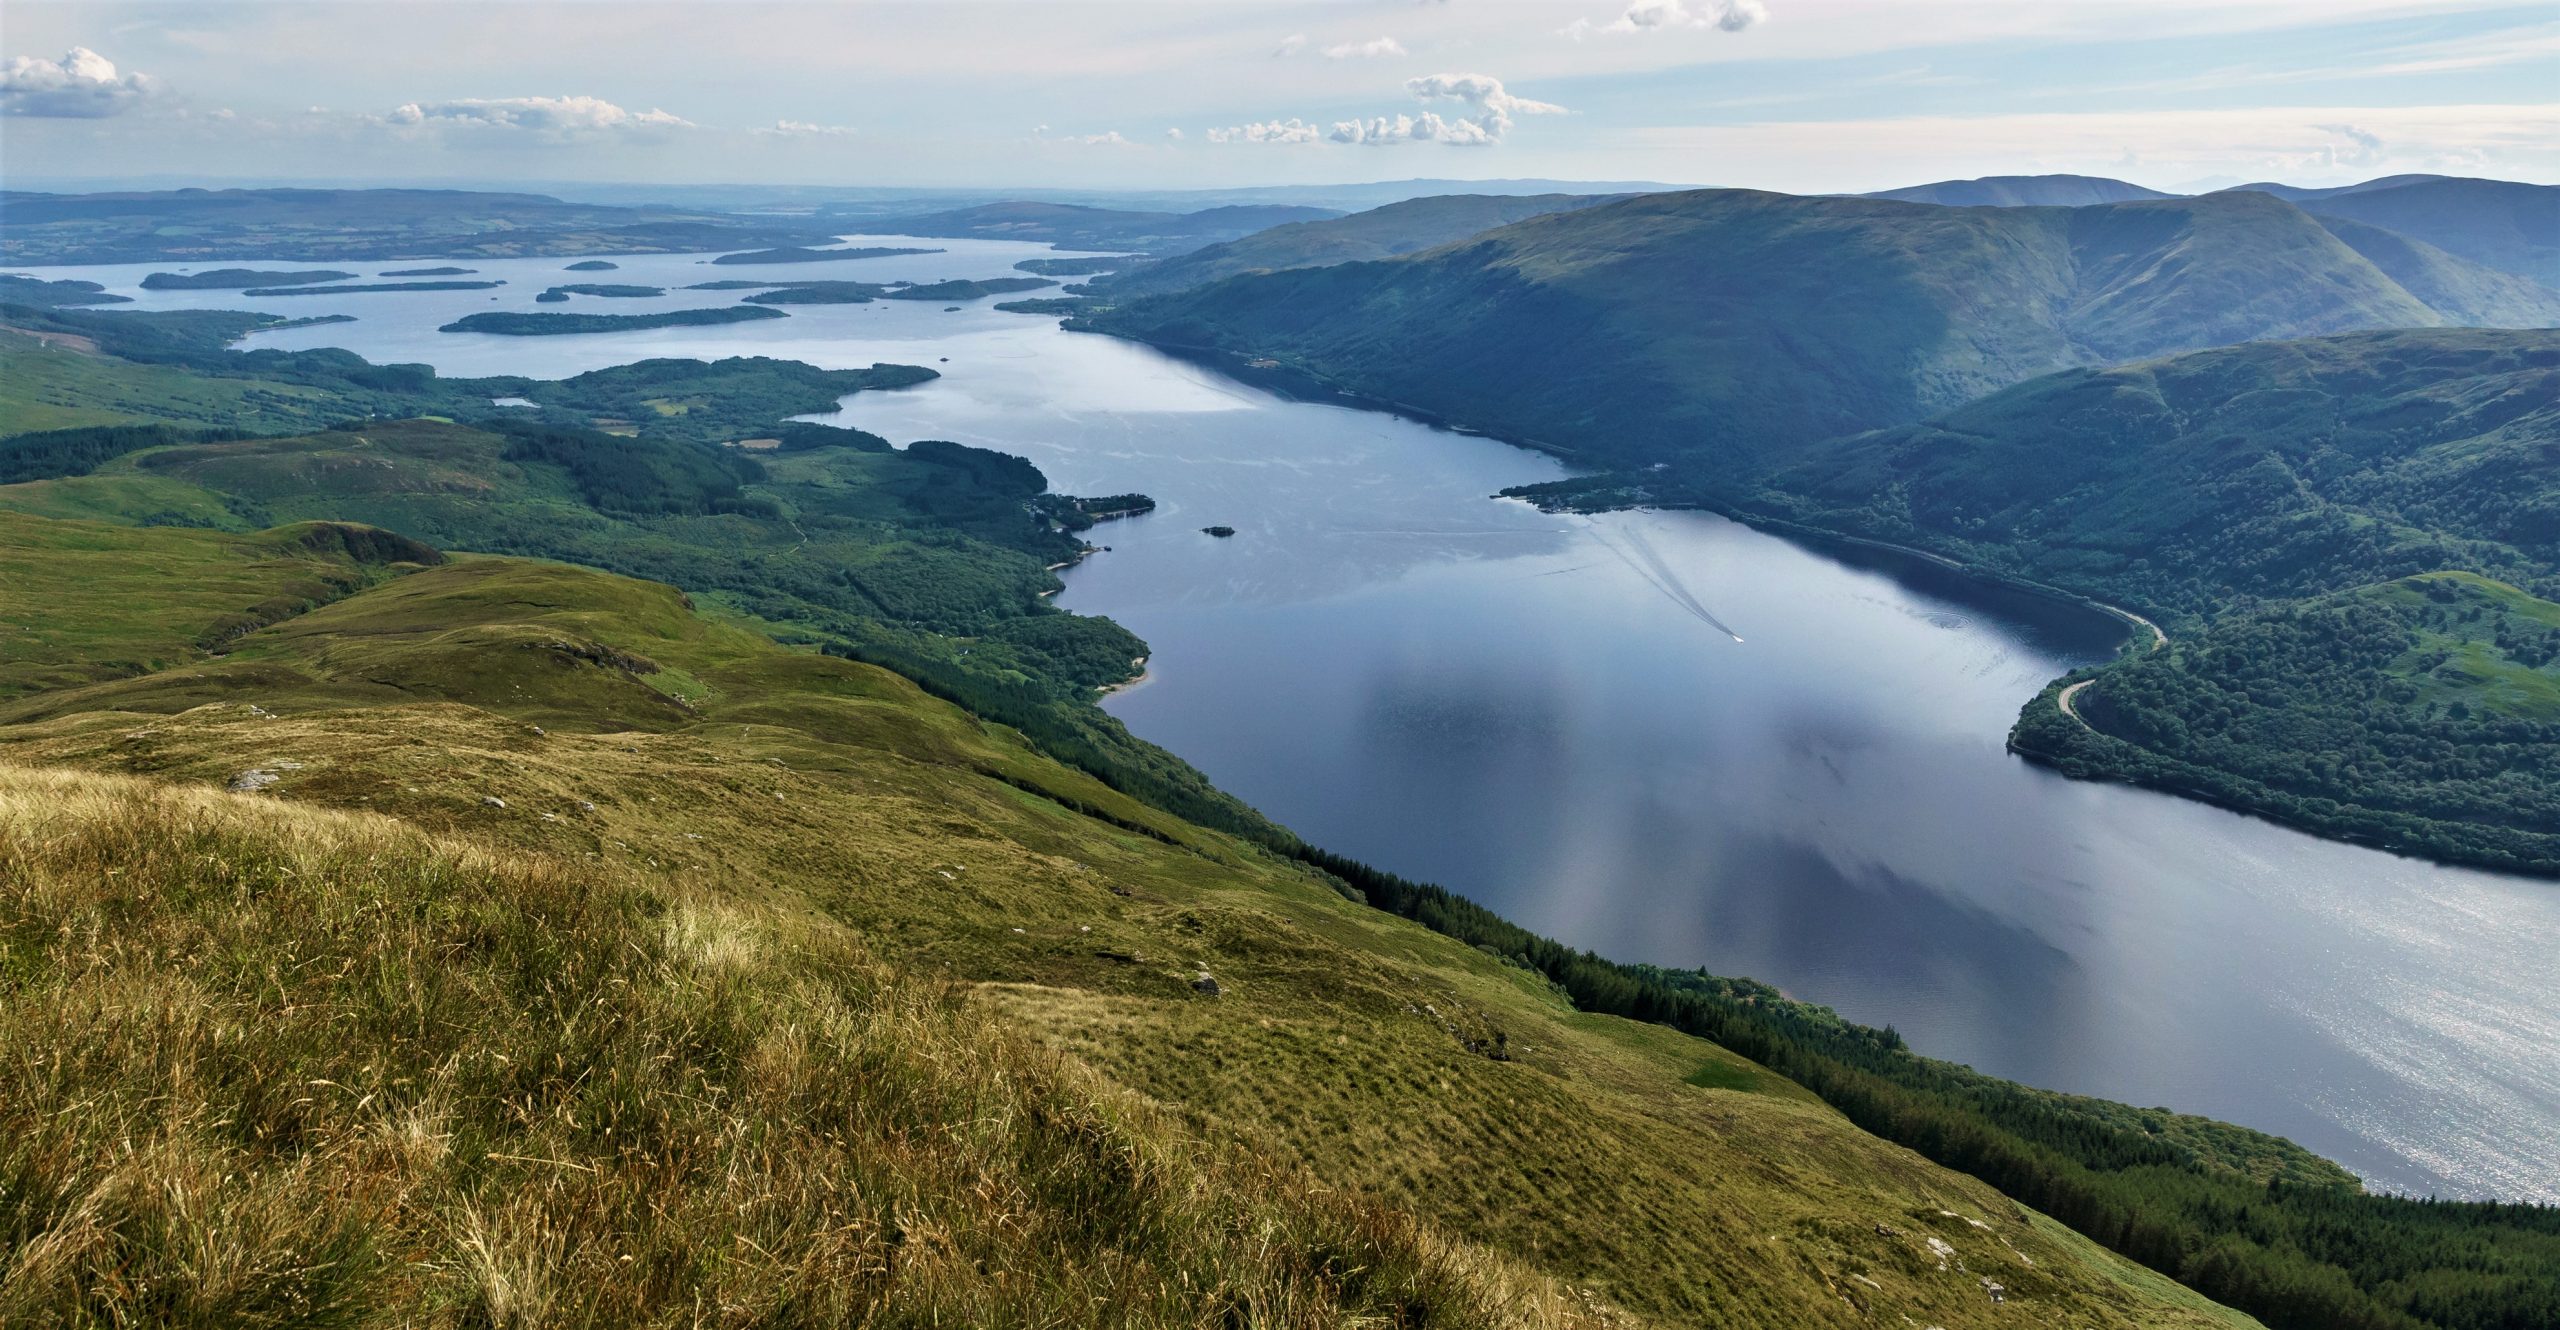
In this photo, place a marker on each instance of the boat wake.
(1639, 555)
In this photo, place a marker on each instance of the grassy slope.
(710, 766)
(278, 1066)
(58, 383)
(1717, 328)
(92, 600)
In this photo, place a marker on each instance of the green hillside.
(1718, 328)
(2273, 470)
(1380, 233)
(737, 961)
(2422, 713)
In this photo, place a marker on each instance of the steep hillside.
(723, 957)
(1380, 233)
(1721, 328)
(293, 1067)
(2273, 470)
(2502, 224)
(2023, 191)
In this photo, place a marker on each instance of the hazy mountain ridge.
(1386, 232)
(319, 225)
(1073, 226)
(2504, 224)
(1721, 326)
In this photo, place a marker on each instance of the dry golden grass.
(267, 1066)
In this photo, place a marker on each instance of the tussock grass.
(265, 1065)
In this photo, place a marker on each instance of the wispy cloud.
(82, 85)
(1368, 50)
(802, 129)
(1671, 15)
(2305, 143)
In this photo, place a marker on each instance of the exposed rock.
(493, 801)
(253, 780)
(1205, 983)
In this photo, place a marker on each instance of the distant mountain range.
(2509, 226)
(1380, 233)
(324, 225)
(2504, 224)
(1074, 226)
(1719, 326)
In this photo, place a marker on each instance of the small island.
(513, 324)
(16, 287)
(734, 284)
(367, 286)
(818, 293)
(1042, 305)
(1076, 267)
(237, 279)
(968, 290)
(426, 272)
(591, 265)
(603, 289)
(1221, 532)
(799, 254)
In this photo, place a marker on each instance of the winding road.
(2159, 639)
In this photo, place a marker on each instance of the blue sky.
(1801, 95)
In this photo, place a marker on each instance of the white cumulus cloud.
(1382, 46)
(1291, 130)
(81, 85)
(1491, 108)
(542, 117)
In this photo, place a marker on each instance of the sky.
(1797, 95)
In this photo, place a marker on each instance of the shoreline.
(1291, 383)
